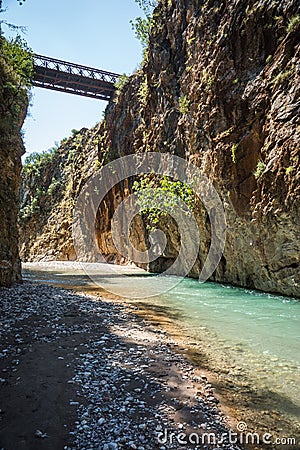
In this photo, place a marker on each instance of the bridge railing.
(58, 75)
(74, 69)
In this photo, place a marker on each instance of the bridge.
(50, 73)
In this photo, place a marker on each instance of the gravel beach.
(78, 371)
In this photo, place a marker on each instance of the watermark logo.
(241, 437)
(110, 176)
(242, 426)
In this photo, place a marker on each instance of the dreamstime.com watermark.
(112, 176)
(241, 437)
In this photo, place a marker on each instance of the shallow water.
(252, 334)
(255, 334)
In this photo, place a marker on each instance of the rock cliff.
(50, 185)
(13, 108)
(220, 88)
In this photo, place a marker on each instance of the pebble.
(113, 371)
(40, 434)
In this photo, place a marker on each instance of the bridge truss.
(50, 73)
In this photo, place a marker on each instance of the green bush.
(142, 26)
(121, 81)
(154, 194)
(268, 59)
(184, 104)
(19, 58)
(55, 187)
(143, 91)
(293, 23)
(34, 175)
(289, 169)
(233, 152)
(16, 71)
(260, 167)
(35, 162)
(282, 77)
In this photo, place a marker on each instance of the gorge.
(220, 88)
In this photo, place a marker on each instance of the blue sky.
(95, 33)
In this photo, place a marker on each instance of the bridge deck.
(50, 73)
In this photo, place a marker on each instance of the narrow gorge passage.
(191, 174)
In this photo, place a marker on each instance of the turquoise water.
(265, 323)
(253, 334)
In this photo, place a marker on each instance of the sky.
(95, 33)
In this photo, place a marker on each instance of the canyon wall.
(51, 182)
(220, 88)
(13, 108)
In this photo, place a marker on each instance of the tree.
(143, 25)
(19, 57)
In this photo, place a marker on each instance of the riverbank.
(83, 372)
(256, 388)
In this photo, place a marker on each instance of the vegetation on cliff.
(158, 197)
(51, 181)
(142, 26)
(15, 77)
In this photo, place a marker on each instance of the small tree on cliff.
(142, 25)
(16, 61)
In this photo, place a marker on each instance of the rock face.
(49, 188)
(13, 107)
(220, 88)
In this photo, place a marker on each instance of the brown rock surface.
(13, 107)
(220, 88)
(48, 193)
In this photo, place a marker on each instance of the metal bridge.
(50, 73)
